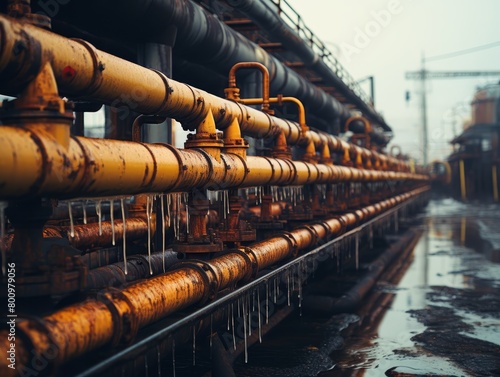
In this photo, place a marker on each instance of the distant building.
(476, 157)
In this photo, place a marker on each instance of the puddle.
(441, 319)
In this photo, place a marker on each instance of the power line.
(463, 52)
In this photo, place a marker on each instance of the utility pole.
(423, 75)
(425, 136)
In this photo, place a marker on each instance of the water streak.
(122, 204)
(99, 215)
(112, 218)
(71, 223)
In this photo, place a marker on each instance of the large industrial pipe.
(116, 315)
(34, 163)
(265, 16)
(82, 70)
(200, 37)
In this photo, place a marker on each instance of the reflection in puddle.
(442, 318)
(450, 292)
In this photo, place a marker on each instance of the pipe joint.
(208, 274)
(124, 318)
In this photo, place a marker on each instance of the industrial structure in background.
(476, 157)
(123, 251)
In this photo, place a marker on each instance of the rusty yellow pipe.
(82, 70)
(231, 93)
(279, 100)
(115, 316)
(33, 163)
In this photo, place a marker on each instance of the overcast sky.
(386, 38)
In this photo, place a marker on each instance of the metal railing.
(295, 21)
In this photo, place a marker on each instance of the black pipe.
(137, 268)
(266, 17)
(201, 38)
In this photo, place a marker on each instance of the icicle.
(186, 199)
(356, 240)
(249, 316)
(396, 222)
(3, 250)
(228, 321)
(169, 203)
(149, 207)
(194, 345)
(178, 215)
(173, 357)
(211, 333)
(99, 215)
(71, 224)
(122, 203)
(162, 205)
(232, 325)
(84, 209)
(146, 365)
(175, 214)
(267, 302)
(159, 359)
(288, 287)
(245, 331)
(112, 218)
(260, 320)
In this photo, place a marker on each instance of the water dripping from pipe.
(99, 215)
(149, 208)
(71, 223)
(122, 204)
(84, 209)
(112, 218)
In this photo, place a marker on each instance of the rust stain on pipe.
(116, 315)
(105, 78)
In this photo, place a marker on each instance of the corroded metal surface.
(118, 314)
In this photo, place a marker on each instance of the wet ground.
(440, 318)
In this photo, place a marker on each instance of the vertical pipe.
(463, 189)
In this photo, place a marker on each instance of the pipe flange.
(168, 90)
(98, 67)
(205, 269)
(343, 224)
(126, 325)
(294, 247)
(40, 326)
(180, 163)
(250, 259)
(314, 232)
